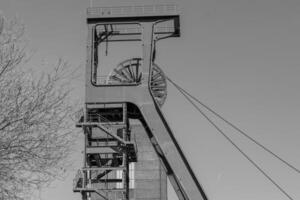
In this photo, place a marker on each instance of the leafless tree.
(35, 126)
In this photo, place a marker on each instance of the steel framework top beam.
(136, 14)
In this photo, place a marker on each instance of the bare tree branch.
(36, 129)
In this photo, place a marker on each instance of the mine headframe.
(135, 88)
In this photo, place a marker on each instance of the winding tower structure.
(129, 147)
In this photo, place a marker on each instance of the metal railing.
(81, 182)
(93, 118)
(105, 80)
(78, 115)
(101, 120)
(146, 10)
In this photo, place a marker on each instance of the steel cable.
(232, 142)
(234, 126)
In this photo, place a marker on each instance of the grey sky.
(240, 57)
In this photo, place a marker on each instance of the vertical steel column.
(147, 45)
(126, 138)
(89, 59)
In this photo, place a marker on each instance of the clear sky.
(241, 57)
